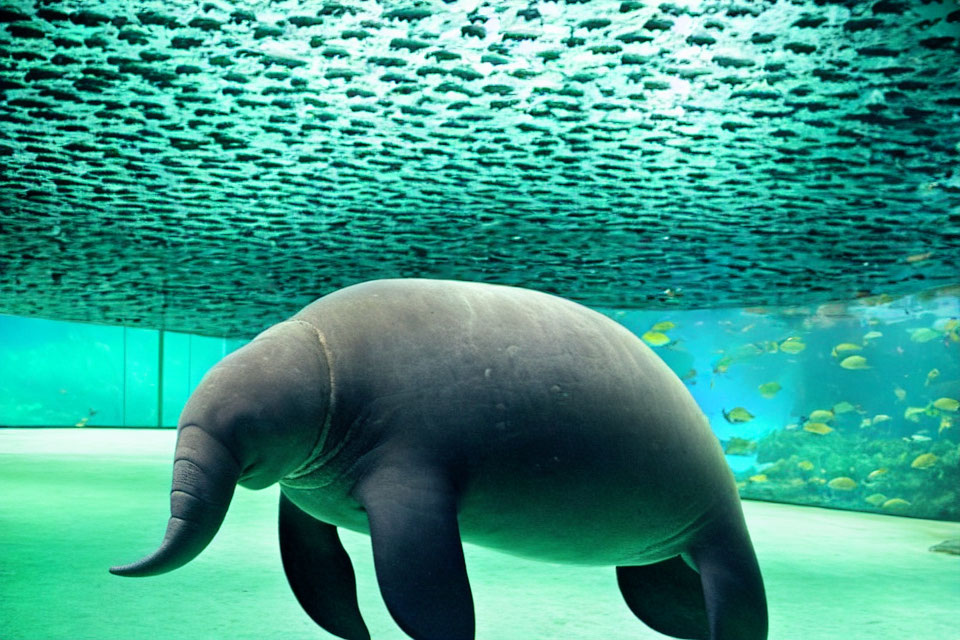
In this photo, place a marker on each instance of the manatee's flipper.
(732, 585)
(417, 551)
(667, 597)
(319, 572)
(723, 599)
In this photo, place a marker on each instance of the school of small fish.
(243, 157)
(821, 422)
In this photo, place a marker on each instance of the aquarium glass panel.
(140, 383)
(77, 375)
(186, 358)
(176, 375)
(60, 373)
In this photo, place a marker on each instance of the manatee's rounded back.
(539, 406)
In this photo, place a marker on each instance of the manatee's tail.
(722, 598)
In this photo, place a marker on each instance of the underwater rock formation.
(858, 471)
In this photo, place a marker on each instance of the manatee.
(430, 412)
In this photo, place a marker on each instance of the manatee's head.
(254, 418)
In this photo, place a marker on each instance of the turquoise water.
(766, 192)
(55, 373)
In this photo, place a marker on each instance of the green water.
(76, 502)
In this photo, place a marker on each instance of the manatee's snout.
(205, 474)
(254, 417)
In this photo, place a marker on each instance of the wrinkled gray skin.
(424, 412)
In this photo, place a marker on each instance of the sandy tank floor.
(74, 502)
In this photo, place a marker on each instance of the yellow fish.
(895, 504)
(946, 404)
(844, 347)
(792, 346)
(913, 413)
(723, 364)
(760, 477)
(666, 325)
(923, 334)
(924, 461)
(945, 423)
(876, 499)
(843, 483)
(901, 393)
(932, 375)
(854, 363)
(769, 389)
(872, 335)
(737, 414)
(876, 473)
(821, 415)
(805, 465)
(865, 423)
(817, 427)
(843, 407)
(655, 338)
(881, 417)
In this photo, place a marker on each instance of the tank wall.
(66, 374)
